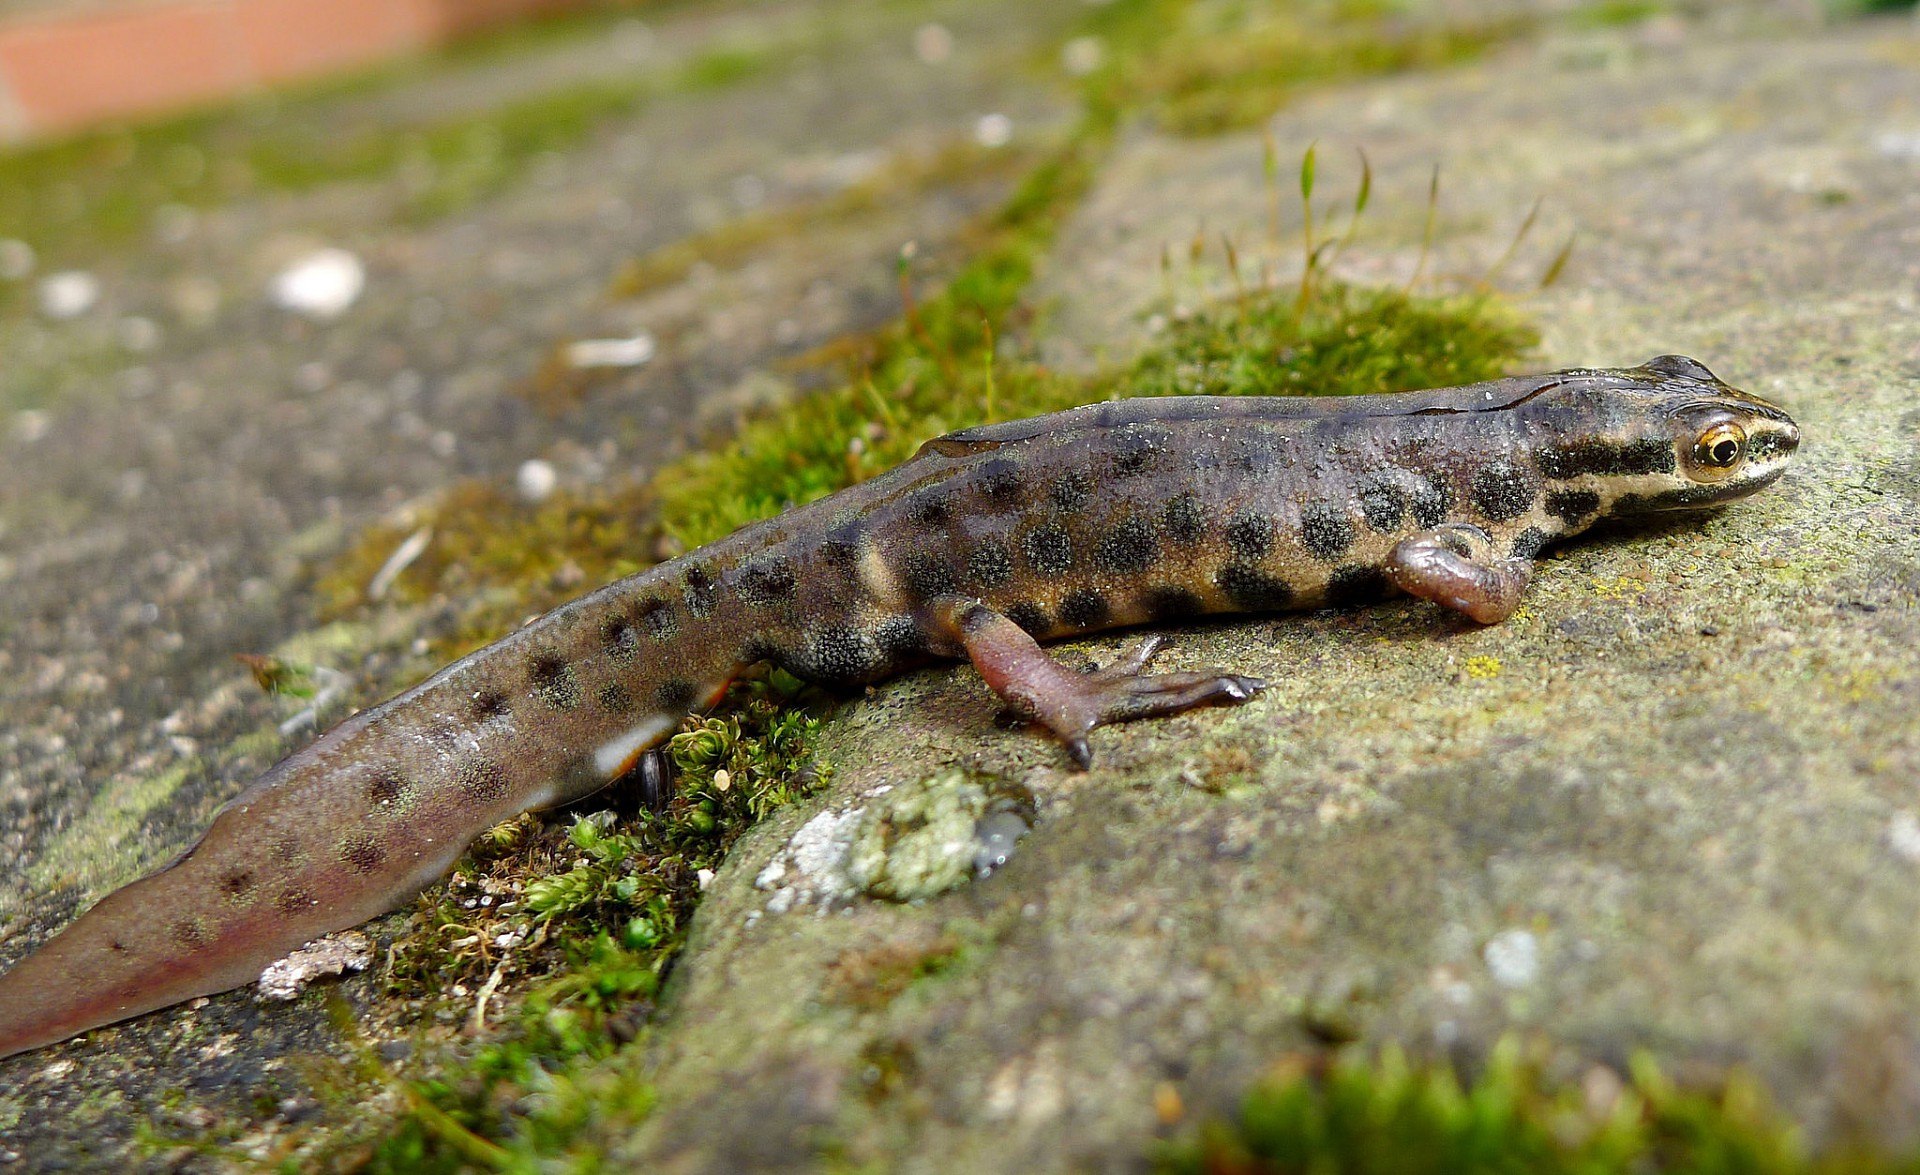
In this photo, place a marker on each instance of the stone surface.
(1669, 806)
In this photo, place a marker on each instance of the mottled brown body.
(1113, 514)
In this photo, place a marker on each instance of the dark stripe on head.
(1606, 458)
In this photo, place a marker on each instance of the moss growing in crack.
(1359, 1114)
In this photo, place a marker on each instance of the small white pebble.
(993, 130)
(321, 285)
(1513, 958)
(31, 424)
(16, 259)
(629, 352)
(1898, 144)
(1082, 55)
(1904, 836)
(722, 780)
(536, 480)
(706, 878)
(932, 43)
(69, 293)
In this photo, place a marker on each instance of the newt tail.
(986, 542)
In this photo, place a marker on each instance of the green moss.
(1358, 1115)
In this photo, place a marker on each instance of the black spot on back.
(237, 883)
(929, 508)
(622, 642)
(990, 565)
(1084, 608)
(1049, 550)
(1071, 490)
(1356, 583)
(1172, 603)
(1131, 546)
(899, 636)
(841, 549)
(1250, 535)
(1571, 506)
(699, 592)
(1383, 505)
(189, 933)
(1528, 542)
(675, 695)
(1031, 616)
(488, 704)
(615, 698)
(554, 681)
(657, 618)
(293, 901)
(1252, 588)
(926, 574)
(1501, 491)
(481, 781)
(361, 854)
(1431, 502)
(766, 581)
(1185, 518)
(385, 786)
(1000, 482)
(1326, 530)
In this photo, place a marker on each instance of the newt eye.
(1720, 448)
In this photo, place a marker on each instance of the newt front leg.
(1070, 704)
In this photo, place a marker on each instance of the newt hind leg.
(1070, 704)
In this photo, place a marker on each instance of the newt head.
(1726, 443)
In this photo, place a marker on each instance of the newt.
(986, 542)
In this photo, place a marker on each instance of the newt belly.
(988, 540)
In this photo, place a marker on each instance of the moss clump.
(1360, 1116)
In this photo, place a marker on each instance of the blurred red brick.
(63, 70)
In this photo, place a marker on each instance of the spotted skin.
(1112, 514)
